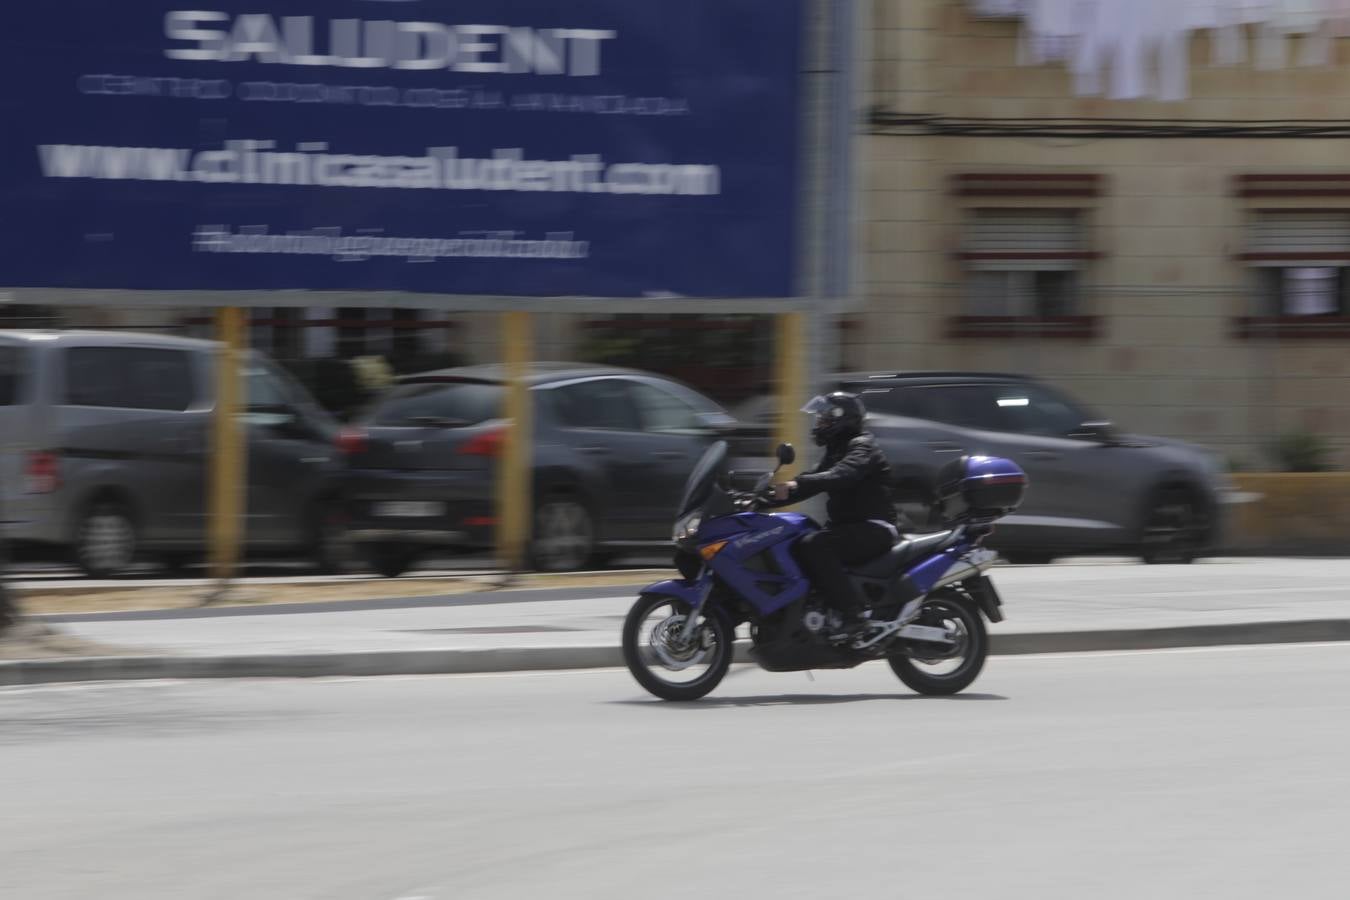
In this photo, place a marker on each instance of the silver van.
(105, 441)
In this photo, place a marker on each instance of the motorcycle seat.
(904, 552)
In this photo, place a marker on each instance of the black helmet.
(838, 416)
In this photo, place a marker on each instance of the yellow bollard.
(515, 477)
(229, 461)
(790, 381)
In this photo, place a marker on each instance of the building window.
(1302, 290)
(1023, 273)
(1034, 294)
(1300, 271)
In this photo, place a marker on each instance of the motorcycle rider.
(862, 520)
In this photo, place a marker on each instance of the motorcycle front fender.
(690, 592)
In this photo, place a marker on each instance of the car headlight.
(687, 527)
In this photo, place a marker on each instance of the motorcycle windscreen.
(698, 490)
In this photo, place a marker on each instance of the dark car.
(612, 450)
(1093, 488)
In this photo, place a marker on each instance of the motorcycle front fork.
(705, 588)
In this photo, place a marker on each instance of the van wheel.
(329, 547)
(391, 560)
(105, 540)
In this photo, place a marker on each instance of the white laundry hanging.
(1333, 22)
(1201, 13)
(1129, 49)
(1285, 18)
(1130, 34)
(1232, 18)
(1173, 43)
(1049, 34)
(1132, 42)
(1089, 50)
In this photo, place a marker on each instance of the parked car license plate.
(408, 509)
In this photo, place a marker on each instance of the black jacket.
(855, 474)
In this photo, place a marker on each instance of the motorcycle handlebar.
(754, 501)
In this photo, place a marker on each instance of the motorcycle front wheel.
(941, 671)
(665, 664)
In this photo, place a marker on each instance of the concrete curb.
(1235, 634)
(487, 580)
(521, 659)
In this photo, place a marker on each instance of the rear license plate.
(408, 509)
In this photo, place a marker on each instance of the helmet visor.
(816, 405)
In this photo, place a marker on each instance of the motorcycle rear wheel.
(650, 653)
(922, 674)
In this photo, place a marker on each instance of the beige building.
(1184, 285)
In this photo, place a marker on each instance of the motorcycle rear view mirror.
(786, 455)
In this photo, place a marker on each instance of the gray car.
(612, 450)
(105, 447)
(1093, 488)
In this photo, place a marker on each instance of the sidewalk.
(1049, 609)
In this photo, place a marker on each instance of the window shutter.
(1023, 240)
(1298, 238)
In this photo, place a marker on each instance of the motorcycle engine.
(818, 620)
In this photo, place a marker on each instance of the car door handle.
(670, 454)
(944, 447)
(594, 451)
(1043, 454)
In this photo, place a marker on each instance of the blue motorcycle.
(737, 563)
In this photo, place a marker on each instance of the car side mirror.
(1096, 432)
(786, 455)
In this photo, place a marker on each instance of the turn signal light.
(710, 550)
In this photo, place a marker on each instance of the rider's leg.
(825, 553)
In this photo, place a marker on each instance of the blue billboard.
(537, 148)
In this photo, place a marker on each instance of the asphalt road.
(1174, 774)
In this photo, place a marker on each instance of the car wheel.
(391, 560)
(105, 540)
(329, 547)
(564, 535)
(1175, 528)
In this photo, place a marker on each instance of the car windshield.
(698, 490)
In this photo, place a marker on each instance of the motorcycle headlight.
(687, 527)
